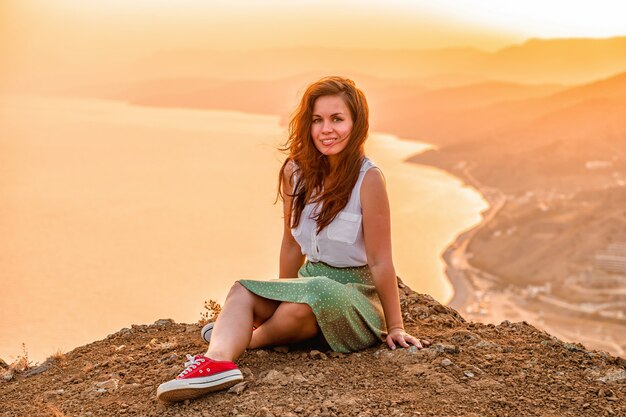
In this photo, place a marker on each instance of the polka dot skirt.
(344, 301)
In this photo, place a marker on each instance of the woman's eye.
(316, 120)
(337, 119)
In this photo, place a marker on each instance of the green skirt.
(344, 301)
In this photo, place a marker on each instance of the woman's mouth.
(328, 142)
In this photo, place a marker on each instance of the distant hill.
(508, 117)
(541, 142)
(561, 61)
(536, 61)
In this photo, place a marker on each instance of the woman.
(336, 217)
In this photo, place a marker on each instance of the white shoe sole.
(185, 389)
(206, 332)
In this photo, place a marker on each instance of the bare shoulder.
(288, 169)
(373, 181)
(373, 188)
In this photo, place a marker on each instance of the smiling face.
(331, 125)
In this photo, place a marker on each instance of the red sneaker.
(201, 375)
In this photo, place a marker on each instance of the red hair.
(315, 181)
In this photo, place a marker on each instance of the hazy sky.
(246, 24)
(74, 33)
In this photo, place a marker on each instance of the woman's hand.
(401, 337)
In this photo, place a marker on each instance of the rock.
(124, 332)
(239, 388)
(155, 345)
(444, 348)
(468, 374)
(573, 347)
(483, 344)
(336, 355)
(461, 337)
(261, 353)
(263, 412)
(38, 369)
(129, 387)
(109, 385)
(446, 362)
(53, 393)
(615, 376)
(139, 327)
(298, 378)
(385, 352)
(281, 349)
(8, 375)
(247, 373)
(164, 322)
(3, 364)
(316, 354)
(169, 359)
(274, 377)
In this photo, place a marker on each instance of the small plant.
(213, 309)
(21, 363)
(57, 356)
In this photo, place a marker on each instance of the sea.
(113, 214)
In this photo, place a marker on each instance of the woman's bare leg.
(233, 328)
(290, 323)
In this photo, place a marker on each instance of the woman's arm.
(291, 257)
(377, 236)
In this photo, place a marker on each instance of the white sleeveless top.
(340, 244)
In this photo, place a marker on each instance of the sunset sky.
(65, 26)
(61, 36)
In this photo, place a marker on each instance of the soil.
(471, 369)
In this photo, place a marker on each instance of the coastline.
(480, 296)
(458, 270)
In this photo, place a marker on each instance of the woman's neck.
(333, 160)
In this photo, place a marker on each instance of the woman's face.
(331, 125)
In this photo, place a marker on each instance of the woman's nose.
(326, 127)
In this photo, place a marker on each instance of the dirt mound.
(471, 369)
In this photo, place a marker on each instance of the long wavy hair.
(315, 181)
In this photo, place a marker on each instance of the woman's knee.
(298, 311)
(262, 307)
(238, 290)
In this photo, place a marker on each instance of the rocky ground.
(472, 369)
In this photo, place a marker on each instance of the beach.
(485, 297)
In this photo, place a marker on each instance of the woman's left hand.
(403, 339)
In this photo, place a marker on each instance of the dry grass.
(58, 356)
(21, 363)
(213, 309)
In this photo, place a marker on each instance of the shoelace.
(191, 364)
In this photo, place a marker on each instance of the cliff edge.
(471, 369)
